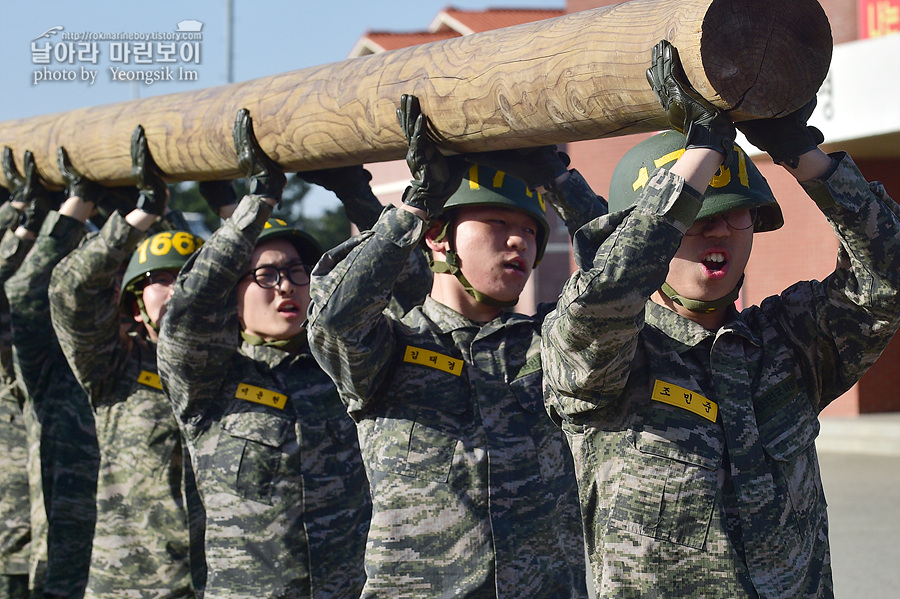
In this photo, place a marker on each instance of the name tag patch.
(150, 379)
(261, 396)
(426, 357)
(685, 399)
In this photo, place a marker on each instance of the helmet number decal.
(723, 175)
(163, 243)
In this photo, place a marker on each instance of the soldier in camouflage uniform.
(473, 488)
(276, 458)
(141, 540)
(59, 423)
(693, 424)
(15, 515)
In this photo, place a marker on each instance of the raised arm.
(33, 338)
(351, 185)
(83, 293)
(350, 335)
(200, 332)
(841, 325)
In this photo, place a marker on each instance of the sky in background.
(269, 37)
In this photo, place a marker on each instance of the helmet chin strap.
(294, 344)
(139, 298)
(700, 306)
(451, 266)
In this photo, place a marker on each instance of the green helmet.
(307, 247)
(167, 250)
(728, 190)
(484, 186)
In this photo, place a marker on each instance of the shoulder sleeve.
(841, 325)
(33, 339)
(575, 202)
(13, 250)
(350, 334)
(83, 302)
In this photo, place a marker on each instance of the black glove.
(11, 172)
(537, 167)
(703, 125)
(435, 177)
(147, 177)
(218, 194)
(123, 199)
(351, 185)
(346, 182)
(76, 183)
(264, 176)
(38, 200)
(785, 138)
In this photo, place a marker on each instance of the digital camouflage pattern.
(473, 487)
(276, 457)
(59, 423)
(25, 538)
(141, 542)
(695, 449)
(15, 513)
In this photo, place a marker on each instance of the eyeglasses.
(269, 277)
(740, 219)
(159, 277)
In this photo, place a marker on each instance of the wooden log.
(575, 77)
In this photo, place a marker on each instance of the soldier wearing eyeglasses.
(692, 423)
(276, 456)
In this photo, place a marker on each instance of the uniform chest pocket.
(528, 391)
(409, 448)
(788, 437)
(416, 429)
(253, 451)
(541, 442)
(665, 491)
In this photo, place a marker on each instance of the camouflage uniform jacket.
(58, 417)
(695, 449)
(473, 488)
(15, 532)
(141, 538)
(275, 456)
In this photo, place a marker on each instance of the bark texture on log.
(575, 77)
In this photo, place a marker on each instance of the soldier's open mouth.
(715, 261)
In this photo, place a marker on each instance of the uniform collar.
(448, 320)
(685, 334)
(271, 355)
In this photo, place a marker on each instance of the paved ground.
(863, 494)
(860, 461)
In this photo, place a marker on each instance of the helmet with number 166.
(167, 250)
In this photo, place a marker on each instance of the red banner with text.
(878, 17)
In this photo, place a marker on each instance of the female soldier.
(275, 455)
